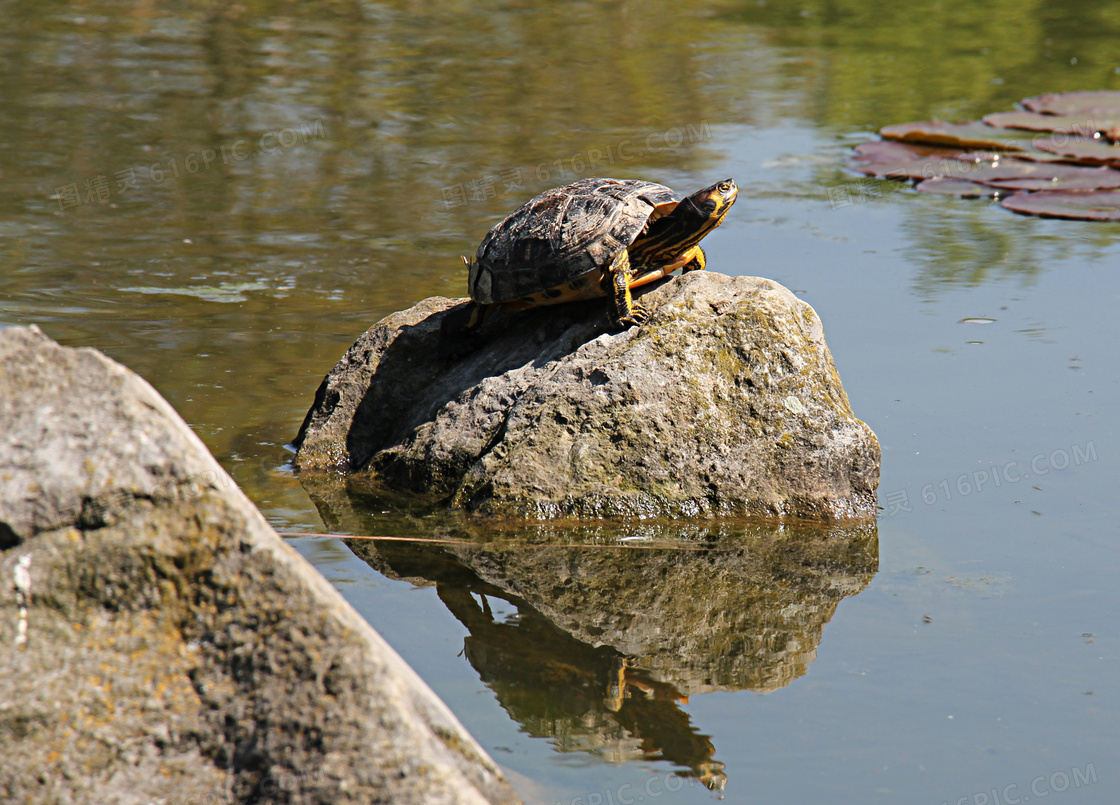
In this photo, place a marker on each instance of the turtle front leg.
(627, 312)
(698, 262)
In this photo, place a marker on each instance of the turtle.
(593, 238)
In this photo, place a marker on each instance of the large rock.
(160, 643)
(726, 402)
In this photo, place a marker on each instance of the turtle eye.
(724, 187)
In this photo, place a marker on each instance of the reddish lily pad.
(946, 185)
(895, 160)
(1085, 125)
(1085, 152)
(1074, 103)
(899, 160)
(1055, 157)
(1010, 168)
(1095, 205)
(958, 135)
(1069, 177)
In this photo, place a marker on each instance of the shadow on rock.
(410, 366)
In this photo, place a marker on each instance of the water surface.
(224, 196)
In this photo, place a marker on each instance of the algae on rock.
(162, 643)
(725, 402)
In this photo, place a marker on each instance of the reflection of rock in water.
(607, 641)
(583, 698)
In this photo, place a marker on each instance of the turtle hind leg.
(466, 318)
(627, 312)
(460, 330)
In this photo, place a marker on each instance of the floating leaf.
(1080, 125)
(1085, 152)
(959, 135)
(1056, 157)
(955, 187)
(896, 160)
(1075, 103)
(1062, 177)
(899, 160)
(1095, 205)
(1044, 174)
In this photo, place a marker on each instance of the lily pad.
(897, 160)
(1074, 103)
(1085, 152)
(1085, 125)
(1094, 205)
(998, 171)
(1055, 156)
(1062, 177)
(946, 185)
(959, 135)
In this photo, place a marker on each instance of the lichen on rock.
(726, 402)
(161, 643)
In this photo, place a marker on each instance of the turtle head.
(710, 204)
(683, 225)
(697, 215)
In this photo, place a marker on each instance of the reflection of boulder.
(582, 697)
(747, 615)
(608, 638)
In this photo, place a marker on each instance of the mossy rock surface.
(725, 403)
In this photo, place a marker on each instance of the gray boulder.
(726, 402)
(160, 643)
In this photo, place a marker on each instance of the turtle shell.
(563, 235)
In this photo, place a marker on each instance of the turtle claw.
(638, 316)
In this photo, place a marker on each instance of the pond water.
(224, 196)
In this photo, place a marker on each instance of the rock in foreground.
(726, 402)
(160, 643)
